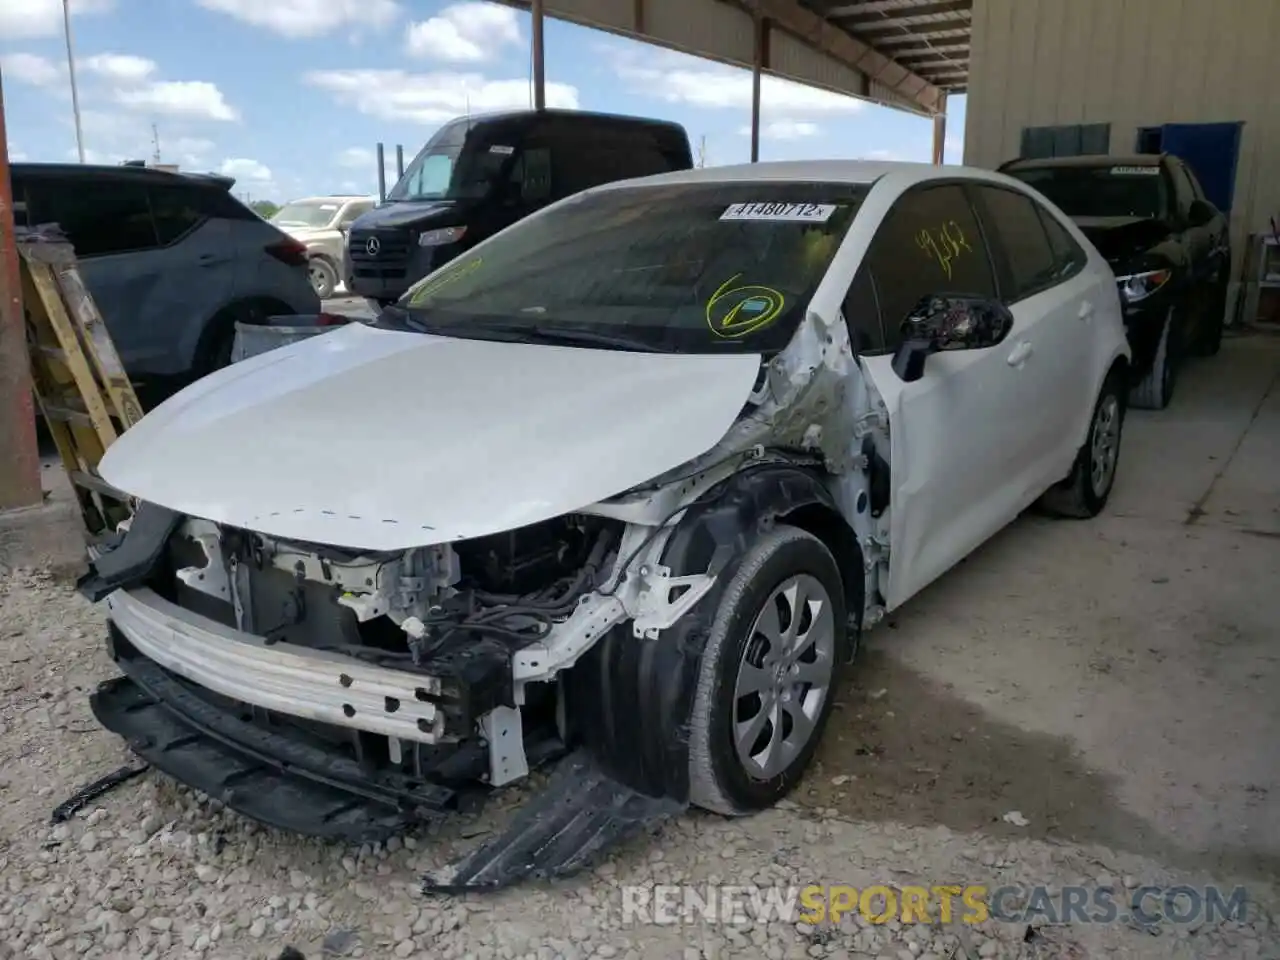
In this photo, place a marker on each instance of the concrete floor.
(1117, 680)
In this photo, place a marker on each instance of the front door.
(956, 448)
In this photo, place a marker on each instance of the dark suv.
(478, 175)
(173, 260)
(1168, 245)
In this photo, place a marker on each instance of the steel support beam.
(539, 59)
(757, 68)
(19, 458)
(940, 133)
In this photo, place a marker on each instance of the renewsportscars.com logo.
(945, 904)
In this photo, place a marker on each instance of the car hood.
(404, 213)
(1122, 238)
(385, 440)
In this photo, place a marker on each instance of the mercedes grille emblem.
(372, 247)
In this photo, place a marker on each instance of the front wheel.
(1156, 389)
(324, 279)
(768, 675)
(1086, 489)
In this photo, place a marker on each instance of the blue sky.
(290, 96)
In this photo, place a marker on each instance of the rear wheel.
(1084, 492)
(768, 675)
(1156, 389)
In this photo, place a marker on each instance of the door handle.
(1086, 310)
(1018, 355)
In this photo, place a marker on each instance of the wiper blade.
(571, 336)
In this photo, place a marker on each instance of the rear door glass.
(1018, 238)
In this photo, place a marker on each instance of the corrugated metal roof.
(928, 37)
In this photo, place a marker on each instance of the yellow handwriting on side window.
(433, 286)
(944, 244)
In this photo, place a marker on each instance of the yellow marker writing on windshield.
(734, 312)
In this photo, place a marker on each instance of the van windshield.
(688, 267)
(457, 163)
(306, 213)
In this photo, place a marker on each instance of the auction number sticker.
(502, 150)
(780, 212)
(1136, 171)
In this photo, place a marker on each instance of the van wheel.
(1156, 389)
(769, 674)
(324, 279)
(1084, 492)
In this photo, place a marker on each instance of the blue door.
(1211, 151)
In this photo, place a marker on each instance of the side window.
(176, 211)
(100, 217)
(532, 171)
(862, 313)
(1019, 242)
(928, 244)
(1068, 256)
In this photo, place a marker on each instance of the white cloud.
(243, 168)
(784, 130)
(179, 98)
(16, 155)
(120, 67)
(26, 19)
(357, 157)
(679, 78)
(396, 95)
(29, 68)
(466, 32)
(299, 19)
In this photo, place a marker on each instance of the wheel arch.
(222, 324)
(630, 700)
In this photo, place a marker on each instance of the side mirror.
(1200, 213)
(948, 323)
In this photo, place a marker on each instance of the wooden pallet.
(81, 387)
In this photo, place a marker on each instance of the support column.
(539, 73)
(940, 131)
(757, 67)
(19, 458)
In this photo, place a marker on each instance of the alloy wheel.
(1104, 444)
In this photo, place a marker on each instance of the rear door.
(1052, 302)
(959, 450)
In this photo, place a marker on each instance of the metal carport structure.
(907, 54)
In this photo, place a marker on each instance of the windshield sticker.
(1136, 171)
(943, 244)
(734, 312)
(502, 150)
(434, 284)
(780, 212)
(328, 206)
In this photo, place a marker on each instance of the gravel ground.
(152, 870)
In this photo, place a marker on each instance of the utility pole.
(702, 151)
(155, 144)
(19, 458)
(71, 70)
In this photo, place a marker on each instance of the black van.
(480, 174)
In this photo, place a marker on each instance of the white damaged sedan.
(621, 486)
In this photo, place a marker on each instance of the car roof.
(819, 171)
(578, 116)
(106, 171)
(1086, 161)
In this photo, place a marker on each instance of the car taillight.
(288, 251)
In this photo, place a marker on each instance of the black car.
(1168, 245)
(478, 175)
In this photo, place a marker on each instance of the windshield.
(1102, 191)
(694, 267)
(459, 162)
(306, 213)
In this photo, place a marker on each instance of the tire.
(1156, 389)
(720, 779)
(1079, 496)
(324, 278)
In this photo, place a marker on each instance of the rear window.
(1113, 190)
(687, 267)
